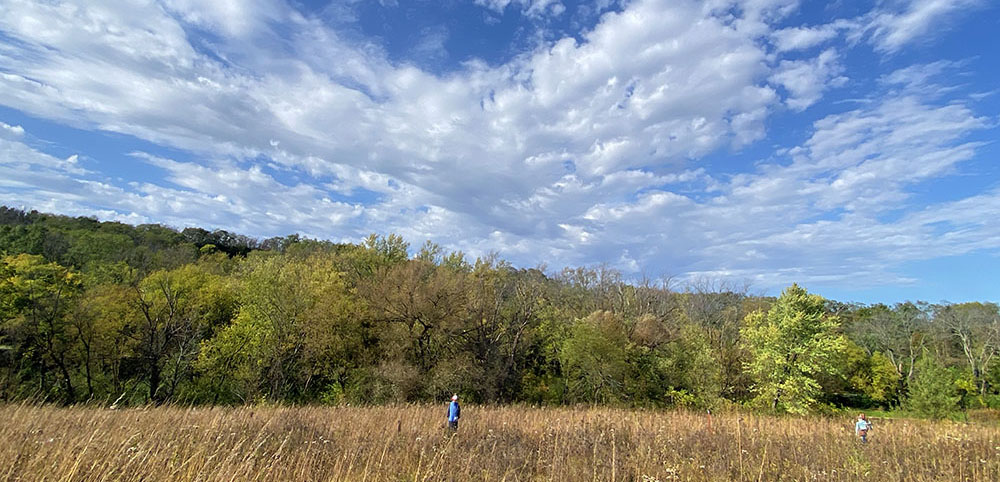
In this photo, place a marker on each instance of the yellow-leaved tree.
(791, 345)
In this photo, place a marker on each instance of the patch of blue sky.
(955, 279)
(282, 174)
(205, 42)
(460, 29)
(726, 162)
(109, 153)
(578, 18)
(968, 277)
(819, 13)
(358, 195)
(911, 291)
(441, 36)
(972, 32)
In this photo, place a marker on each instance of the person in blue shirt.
(862, 427)
(454, 412)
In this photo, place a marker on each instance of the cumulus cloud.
(8, 131)
(817, 215)
(581, 149)
(656, 84)
(856, 166)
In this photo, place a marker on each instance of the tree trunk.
(154, 379)
(90, 383)
(70, 393)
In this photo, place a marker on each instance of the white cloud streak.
(802, 38)
(892, 28)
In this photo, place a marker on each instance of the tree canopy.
(112, 313)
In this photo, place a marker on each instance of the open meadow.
(493, 443)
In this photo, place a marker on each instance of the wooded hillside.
(109, 312)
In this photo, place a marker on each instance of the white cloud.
(530, 8)
(8, 131)
(431, 46)
(23, 164)
(891, 28)
(229, 197)
(801, 38)
(926, 79)
(819, 218)
(234, 18)
(806, 80)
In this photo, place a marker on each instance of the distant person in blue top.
(862, 427)
(454, 412)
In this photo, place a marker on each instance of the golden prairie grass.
(409, 443)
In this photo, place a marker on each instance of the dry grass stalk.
(495, 443)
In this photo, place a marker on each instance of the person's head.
(454, 397)
(862, 417)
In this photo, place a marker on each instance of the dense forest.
(105, 312)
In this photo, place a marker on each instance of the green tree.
(375, 253)
(298, 329)
(419, 308)
(695, 370)
(90, 249)
(37, 297)
(874, 375)
(718, 308)
(499, 312)
(171, 312)
(593, 358)
(899, 333)
(932, 390)
(98, 321)
(790, 346)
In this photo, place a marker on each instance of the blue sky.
(846, 146)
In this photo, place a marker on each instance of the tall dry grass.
(409, 443)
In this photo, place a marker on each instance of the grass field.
(409, 443)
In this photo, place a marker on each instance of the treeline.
(113, 313)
